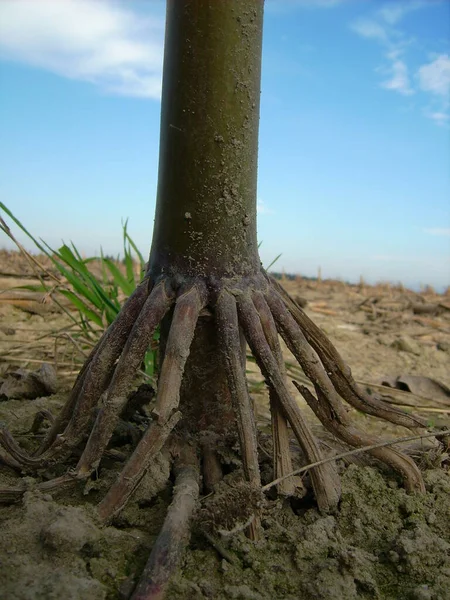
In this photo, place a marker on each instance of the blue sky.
(354, 162)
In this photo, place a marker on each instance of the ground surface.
(381, 543)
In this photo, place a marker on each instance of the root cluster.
(259, 309)
(262, 310)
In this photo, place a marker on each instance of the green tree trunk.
(205, 224)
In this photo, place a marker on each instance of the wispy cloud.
(432, 77)
(394, 12)
(94, 41)
(379, 29)
(263, 209)
(440, 118)
(438, 231)
(370, 29)
(398, 80)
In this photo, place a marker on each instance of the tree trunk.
(205, 224)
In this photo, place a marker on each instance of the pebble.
(407, 344)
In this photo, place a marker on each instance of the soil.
(381, 543)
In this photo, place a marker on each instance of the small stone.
(431, 518)
(385, 339)
(23, 384)
(7, 330)
(443, 346)
(407, 344)
(70, 530)
(421, 593)
(394, 557)
(126, 588)
(207, 588)
(300, 301)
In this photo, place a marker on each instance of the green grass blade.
(119, 279)
(32, 288)
(23, 228)
(128, 259)
(77, 254)
(273, 262)
(89, 286)
(82, 307)
(142, 262)
(129, 266)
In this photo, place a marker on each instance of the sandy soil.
(381, 543)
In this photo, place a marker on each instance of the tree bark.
(205, 224)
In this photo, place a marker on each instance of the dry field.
(381, 544)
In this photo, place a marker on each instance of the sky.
(354, 149)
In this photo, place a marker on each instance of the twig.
(220, 549)
(75, 343)
(353, 452)
(41, 337)
(6, 358)
(23, 275)
(443, 411)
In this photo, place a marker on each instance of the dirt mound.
(382, 543)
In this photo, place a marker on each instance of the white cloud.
(438, 231)
(439, 117)
(96, 41)
(399, 78)
(434, 77)
(394, 12)
(396, 68)
(263, 209)
(370, 29)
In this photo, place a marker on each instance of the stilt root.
(257, 308)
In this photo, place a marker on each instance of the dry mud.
(381, 543)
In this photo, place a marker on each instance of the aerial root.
(152, 313)
(174, 535)
(229, 337)
(400, 462)
(282, 462)
(102, 365)
(128, 337)
(261, 311)
(338, 371)
(328, 406)
(324, 478)
(11, 452)
(68, 428)
(5, 456)
(165, 413)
